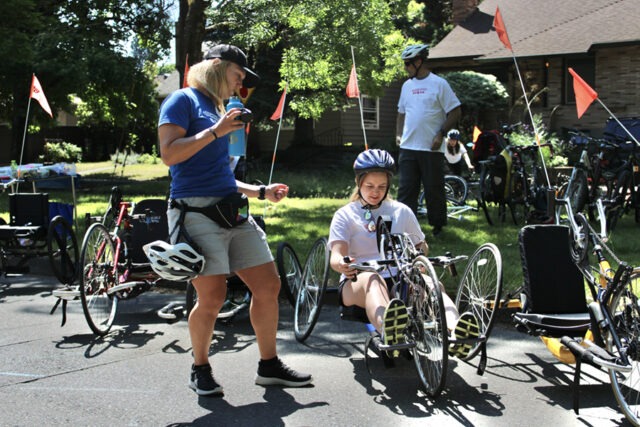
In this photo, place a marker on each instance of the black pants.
(426, 168)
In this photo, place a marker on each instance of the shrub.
(61, 151)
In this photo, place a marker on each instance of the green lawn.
(306, 214)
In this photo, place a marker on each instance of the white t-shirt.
(454, 158)
(350, 226)
(425, 104)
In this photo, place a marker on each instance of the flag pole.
(24, 138)
(364, 133)
(503, 35)
(533, 124)
(275, 148)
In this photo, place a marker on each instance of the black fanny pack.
(229, 212)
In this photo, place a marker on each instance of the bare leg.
(202, 319)
(369, 291)
(264, 284)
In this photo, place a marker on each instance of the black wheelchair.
(32, 233)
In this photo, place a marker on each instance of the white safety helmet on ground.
(177, 262)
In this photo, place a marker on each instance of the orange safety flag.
(280, 108)
(476, 133)
(38, 94)
(186, 72)
(352, 86)
(585, 95)
(498, 24)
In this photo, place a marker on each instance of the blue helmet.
(374, 160)
(454, 134)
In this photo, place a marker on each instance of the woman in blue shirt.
(193, 132)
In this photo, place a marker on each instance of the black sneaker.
(201, 380)
(274, 372)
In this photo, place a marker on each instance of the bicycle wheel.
(626, 319)
(455, 189)
(618, 199)
(97, 260)
(311, 291)
(577, 190)
(480, 290)
(427, 326)
(289, 270)
(579, 240)
(517, 198)
(62, 247)
(192, 297)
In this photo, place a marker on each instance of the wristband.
(213, 132)
(261, 192)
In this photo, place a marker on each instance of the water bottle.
(237, 137)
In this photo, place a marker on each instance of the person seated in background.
(456, 154)
(352, 239)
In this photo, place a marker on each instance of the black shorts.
(387, 280)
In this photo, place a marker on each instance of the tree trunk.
(190, 32)
(303, 133)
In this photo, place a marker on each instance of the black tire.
(577, 190)
(311, 292)
(579, 240)
(456, 189)
(62, 247)
(625, 311)
(97, 261)
(427, 326)
(480, 290)
(618, 198)
(290, 271)
(518, 197)
(192, 298)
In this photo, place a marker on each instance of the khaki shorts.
(226, 250)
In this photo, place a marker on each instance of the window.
(371, 112)
(586, 68)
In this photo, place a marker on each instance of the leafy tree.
(477, 92)
(81, 47)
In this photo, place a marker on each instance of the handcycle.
(426, 337)
(604, 333)
(112, 266)
(457, 191)
(32, 233)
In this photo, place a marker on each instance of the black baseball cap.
(234, 54)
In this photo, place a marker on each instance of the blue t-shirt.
(207, 173)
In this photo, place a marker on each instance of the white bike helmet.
(415, 51)
(177, 262)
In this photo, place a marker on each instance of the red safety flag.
(280, 108)
(38, 94)
(476, 133)
(352, 86)
(186, 72)
(498, 24)
(585, 95)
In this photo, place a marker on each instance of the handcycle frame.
(426, 336)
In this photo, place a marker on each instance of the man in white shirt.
(427, 109)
